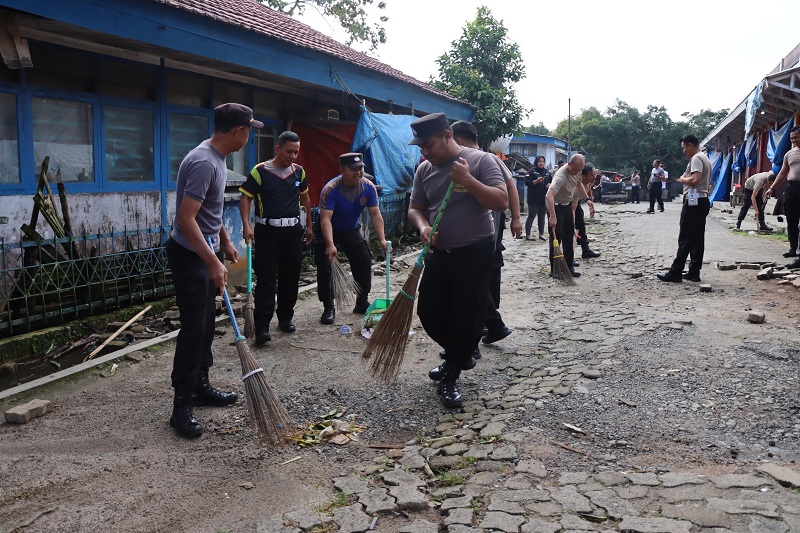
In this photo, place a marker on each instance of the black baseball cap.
(231, 115)
(352, 160)
(428, 126)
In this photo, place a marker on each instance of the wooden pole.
(116, 333)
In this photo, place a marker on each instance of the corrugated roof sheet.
(258, 18)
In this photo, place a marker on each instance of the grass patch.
(340, 499)
(447, 479)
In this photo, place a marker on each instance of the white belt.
(279, 222)
(702, 195)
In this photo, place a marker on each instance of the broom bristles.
(561, 270)
(249, 317)
(343, 286)
(263, 404)
(390, 338)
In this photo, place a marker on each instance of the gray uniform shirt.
(202, 176)
(465, 221)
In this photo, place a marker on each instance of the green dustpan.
(376, 310)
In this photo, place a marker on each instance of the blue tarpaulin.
(720, 178)
(716, 164)
(383, 139)
(778, 144)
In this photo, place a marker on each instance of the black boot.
(328, 315)
(205, 394)
(448, 390)
(588, 253)
(763, 226)
(182, 418)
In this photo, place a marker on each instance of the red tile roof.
(258, 18)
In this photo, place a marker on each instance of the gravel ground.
(685, 384)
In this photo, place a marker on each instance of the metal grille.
(48, 282)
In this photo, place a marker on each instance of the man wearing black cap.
(278, 188)
(341, 203)
(454, 285)
(197, 271)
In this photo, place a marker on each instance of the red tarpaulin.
(320, 148)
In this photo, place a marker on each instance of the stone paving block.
(444, 462)
(401, 477)
(742, 481)
(654, 525)
(274, 524)
(759, 524)
(419, 526)
(676, 479)
(610, 479)
(409, 498)
(351, 519)
(505, 453)
(783, 475)
(687, 493)
(455, 449)
(697, 514)
(744, 507)
(498, 521)
(480, 451)
(24, 413)
(529, 466)
(492, 429)
(352, 484)
(537, 525)
(632, 492)
(459, 528)
(506, 507)
(377, 501)
(307, 519)
(485, 478)
(727, 266)
(573, 478)
(459, 516)
(413, 462)
(544, 508)
(575, 523)
(614, 506)
(522, 496)
(456, 503)
(518, 482)
(571, 500)
(756, 317)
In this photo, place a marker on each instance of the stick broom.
(249, 306)
(561, 270)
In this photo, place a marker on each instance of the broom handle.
(249, 267)
(388, 262)
(421, 259)
(228, 303)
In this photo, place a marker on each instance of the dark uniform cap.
(229, 115)
(352, 160)
(428, 126)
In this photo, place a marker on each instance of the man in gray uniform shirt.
(790, 172)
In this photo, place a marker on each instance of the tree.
(351, 15)
(538, 129)
(703, 122)
(482, 68)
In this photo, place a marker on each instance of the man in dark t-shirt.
(277, 187)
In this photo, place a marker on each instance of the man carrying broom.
(454, 286)
(197, 271)
(341, 203)
(558, 200)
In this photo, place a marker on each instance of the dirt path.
(688, 384)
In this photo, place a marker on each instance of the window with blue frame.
(9, 144)
(185, 132)
(63, 130)
(129, 144)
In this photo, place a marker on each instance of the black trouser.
(565, 233)
(580, 225)
(195, 294)
(358, 254)
(452, 298)
(748, 202)
(655, 196)
(494, 321)
(536, 210)
(635, 194)
(278, 251)
(791, 207)
(691, 238)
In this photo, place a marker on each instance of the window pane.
(9, 147)
(129, 144)
(62, 129)
(185, 132)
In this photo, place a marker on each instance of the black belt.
(465, 249)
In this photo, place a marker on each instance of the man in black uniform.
(455, 282)
(278, 187)
(341, 203)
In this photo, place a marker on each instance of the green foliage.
(482, 68)
(351, 15)
(340, 499)
(623, 138)
(447, 479)
(538, 129)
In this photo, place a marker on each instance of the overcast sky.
(685, 56)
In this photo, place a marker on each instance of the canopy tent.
(383, 139)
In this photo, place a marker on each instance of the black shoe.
(661, 210)
(668, 277)
(361, 308)
(576, 264)
(542, 237)
(287, 327)
(738, 224)
(476, 354)
(328, 315)
(793, 264)
(576, 274)
(498, 335)
(589, 253)
(764, 227)
(449, 394)
(205, 394)
(484, 331)
(263, 337)
(691, 277)
(791, 253)
(436, 374)
(182, 418)
(649, 211)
